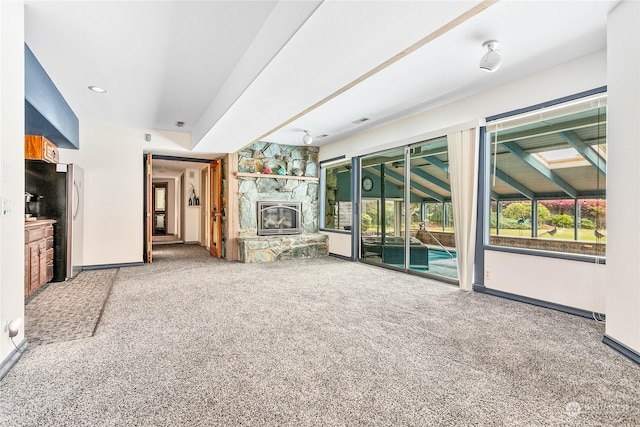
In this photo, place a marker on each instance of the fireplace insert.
(279, 218)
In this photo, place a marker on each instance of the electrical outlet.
(487, 276)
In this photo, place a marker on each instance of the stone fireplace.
(278, 211)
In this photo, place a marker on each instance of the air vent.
(362, 120)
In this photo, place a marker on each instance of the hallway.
(167, 239)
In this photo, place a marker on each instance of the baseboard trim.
(627, 352)
(106, 266)
(12, 358)
(346, 258)
(540, 303)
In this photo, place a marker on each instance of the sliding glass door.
(382, 214)
(406, 217)
(431, 210)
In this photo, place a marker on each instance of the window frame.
(484, 212)
(324, 165)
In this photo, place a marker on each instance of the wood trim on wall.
(232, 208)
(274, 176)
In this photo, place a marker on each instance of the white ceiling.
(174, 168)
(239, 71)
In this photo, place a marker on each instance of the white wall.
(339, 243)
(576, 76)
(112, 157)
(11, 171)
(623, 175)
(192, 213)
(574, 284)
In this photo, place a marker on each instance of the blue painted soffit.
(46, 111)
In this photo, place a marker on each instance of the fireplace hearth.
(276, 218)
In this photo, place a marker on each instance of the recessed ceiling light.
(324, 135)
(357, 122)
(179, 124)
(97, 89)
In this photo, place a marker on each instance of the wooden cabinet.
(40, 148)
(38, 254)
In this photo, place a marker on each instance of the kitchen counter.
(38, 222)
(38, 254)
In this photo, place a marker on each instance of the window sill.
(548, 254)
(334, 230)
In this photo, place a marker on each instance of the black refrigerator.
(58, 193)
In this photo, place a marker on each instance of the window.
(337, 200)
(548, 178)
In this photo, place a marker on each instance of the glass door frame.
(406, 203)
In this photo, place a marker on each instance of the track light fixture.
(307, 138)
(491, 60)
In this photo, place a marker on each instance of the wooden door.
(148, 209)
(215, 241)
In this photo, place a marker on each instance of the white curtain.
(463, 169)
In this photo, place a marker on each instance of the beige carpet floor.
(195, 341)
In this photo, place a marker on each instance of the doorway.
(183, 217)
(407, 211)
(159, 202)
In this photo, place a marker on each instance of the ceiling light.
(179, 124)
(357, 122)
(97, 89)
(492, 59)
(307, 138)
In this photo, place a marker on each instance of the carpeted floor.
(190, 340)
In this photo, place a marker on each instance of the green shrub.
(587, 224)
(543, 214)
(517, 210)
(562, 220)
(372, 213)
(510, 223)
(365, 222)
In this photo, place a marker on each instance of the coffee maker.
(31, 206)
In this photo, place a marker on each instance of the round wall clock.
(367, 183)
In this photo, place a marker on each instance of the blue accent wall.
(392, 190)
(344, 187)
(46, 111)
